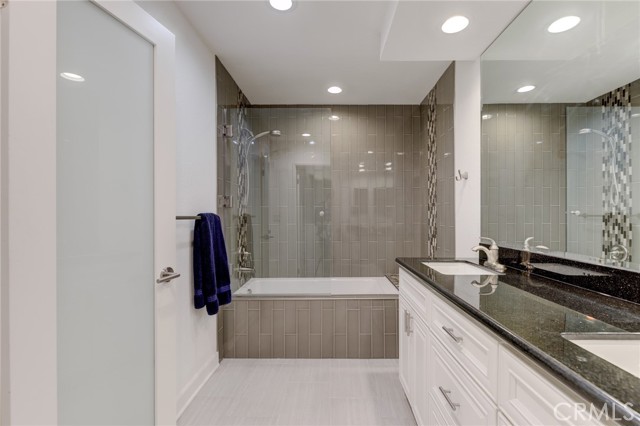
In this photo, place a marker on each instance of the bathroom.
(428, 146)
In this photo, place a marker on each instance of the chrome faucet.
(492, 255)
(526, 253)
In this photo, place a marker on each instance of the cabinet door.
(527, 398)
(404, 340)
(421, 339)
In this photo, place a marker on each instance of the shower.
(606, 136)
(276, 133)
(245, 261)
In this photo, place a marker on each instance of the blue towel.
(211, 279)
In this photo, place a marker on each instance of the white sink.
(620, 349)
(458, 268)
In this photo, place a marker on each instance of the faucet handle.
(493, 242)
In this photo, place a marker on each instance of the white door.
(104, 180)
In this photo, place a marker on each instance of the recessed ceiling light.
(455, 24)
(563, 24)
(72, 77)
(312, 142)
(371, 152)
(361, 165)
(334, 90)
(539, 142)
(361, 170)
(525, 89)
(635, 115)
(446, 154)
(388, 168)
(306, 135)
(387, 164)
(486, 116)
(334, 118)
(281, 5)
(400, 153)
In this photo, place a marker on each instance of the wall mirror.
(561, 131)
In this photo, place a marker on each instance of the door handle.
(166, 275)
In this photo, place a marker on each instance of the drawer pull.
(454, 405)
(449, 331)
(406, 322)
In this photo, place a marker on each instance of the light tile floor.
(300, 392)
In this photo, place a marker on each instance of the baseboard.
(191, 389)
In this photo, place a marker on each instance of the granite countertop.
(531, 312)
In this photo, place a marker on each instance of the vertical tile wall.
(227, 92)
(348, 204)
(523, 173)
(332, 328)
(445, 181)
(436, 168)
(375, 213)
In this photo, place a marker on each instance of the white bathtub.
(379, 287)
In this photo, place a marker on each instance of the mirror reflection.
(561, 110)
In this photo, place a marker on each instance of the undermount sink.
(620, 349)
(459, 268)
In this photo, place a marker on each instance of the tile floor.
(300, 392)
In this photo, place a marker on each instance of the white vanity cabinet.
(455, 371)
(414, 345)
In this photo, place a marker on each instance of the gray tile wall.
(331, 328)
(523, 173)
(445, 181)
(375, 214)
(370, 217)
(436, 168)
(227, 93)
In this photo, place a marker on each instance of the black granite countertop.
(531, 312)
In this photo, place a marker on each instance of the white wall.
(467, 136)
(31, 142)
(197, 355)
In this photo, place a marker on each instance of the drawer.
(455, 394)
(415, 294)
(526, 397)
(436, 416)
(474, 348)
(502, 420)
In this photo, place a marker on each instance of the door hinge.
(225, 130)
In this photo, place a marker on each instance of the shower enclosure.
(277, 172)
(600, 182)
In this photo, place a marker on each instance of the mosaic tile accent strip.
(429, 127)
(329, 328)
(617, 171)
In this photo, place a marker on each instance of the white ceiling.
(379, 52)
(599, 55)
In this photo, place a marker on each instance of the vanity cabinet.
(414, 344)
(454, 371)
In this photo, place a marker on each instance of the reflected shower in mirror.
(557, 159)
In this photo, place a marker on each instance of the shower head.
(275, 133)
(597, 132)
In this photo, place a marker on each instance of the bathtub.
(318, 287)
(312, 318)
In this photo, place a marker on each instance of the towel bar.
(187, 217)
